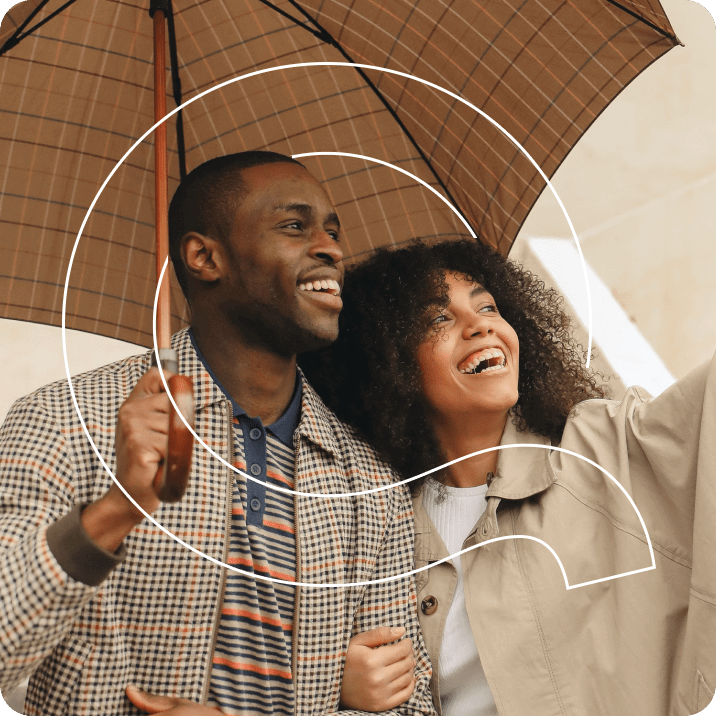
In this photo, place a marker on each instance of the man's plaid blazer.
(152, 621)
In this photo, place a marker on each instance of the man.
(97, 599)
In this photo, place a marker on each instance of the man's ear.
(202, 257)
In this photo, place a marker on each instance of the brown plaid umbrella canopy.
(76, 92)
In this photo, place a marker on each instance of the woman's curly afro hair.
(369, 377)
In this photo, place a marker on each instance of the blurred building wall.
(640, 188)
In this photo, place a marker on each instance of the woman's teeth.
(484, 361)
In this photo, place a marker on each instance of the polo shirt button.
(255, 504)
(429, 605)
(255, 434)
(256, 469)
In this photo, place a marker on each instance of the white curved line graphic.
(237, 79)
(164, 119)
(554, 554)
(389, 487)
(397, 169)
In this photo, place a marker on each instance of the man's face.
(284, 239)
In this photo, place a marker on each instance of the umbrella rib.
(652, 25)
(326, 36)
(320, 35)
(19, 35)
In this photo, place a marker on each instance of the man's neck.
(258, 379)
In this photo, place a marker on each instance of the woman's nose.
(476, 324)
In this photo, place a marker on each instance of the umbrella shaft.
(160, 180)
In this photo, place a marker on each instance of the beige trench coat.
(638, 645)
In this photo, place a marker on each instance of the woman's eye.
(439, 319)
(294, 225)
(490, 308)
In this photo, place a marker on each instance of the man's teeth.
(480, 362)
(327, 285)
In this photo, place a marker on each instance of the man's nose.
(325, 248)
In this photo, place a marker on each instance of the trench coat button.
(429, 605)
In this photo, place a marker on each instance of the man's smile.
(321, 287)
(328, 297)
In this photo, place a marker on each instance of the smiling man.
(95, 598)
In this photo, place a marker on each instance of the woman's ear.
(201, 256)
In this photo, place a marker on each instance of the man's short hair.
(207, 199)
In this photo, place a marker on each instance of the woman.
(448, 350)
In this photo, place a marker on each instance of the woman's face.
(472, 364)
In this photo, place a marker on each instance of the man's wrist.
(76, 553)
(109, 520)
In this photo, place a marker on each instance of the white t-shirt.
(463, 686)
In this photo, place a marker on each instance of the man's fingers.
(378, 637)
(149, 384)
(168, 705)
(150, 703)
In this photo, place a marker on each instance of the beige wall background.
(640, 189)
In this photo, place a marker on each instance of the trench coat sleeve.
(38, 599)
(397, 601)
(677, 432)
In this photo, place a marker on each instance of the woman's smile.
(471, 345)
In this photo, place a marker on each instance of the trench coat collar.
(521, 472)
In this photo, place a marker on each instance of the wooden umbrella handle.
(172, 477)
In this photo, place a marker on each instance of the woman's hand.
(378, 677)
(167, 705)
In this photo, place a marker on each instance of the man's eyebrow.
(307, 211)
(332, 218)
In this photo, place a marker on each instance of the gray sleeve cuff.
(77, 554)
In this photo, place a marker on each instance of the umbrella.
(76, 91)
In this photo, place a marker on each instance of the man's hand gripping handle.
(173, 474)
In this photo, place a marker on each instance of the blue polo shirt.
(251, 663)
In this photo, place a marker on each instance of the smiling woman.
(448, 353)
(399, 311)
(469, 370)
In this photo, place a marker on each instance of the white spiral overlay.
(346, 494)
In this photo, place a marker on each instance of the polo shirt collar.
(285, 426)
